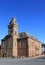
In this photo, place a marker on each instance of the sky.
(30, 15)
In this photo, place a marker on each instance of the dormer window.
(22, 35)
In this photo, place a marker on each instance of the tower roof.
(13, 21)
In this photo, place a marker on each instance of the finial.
(13, 21)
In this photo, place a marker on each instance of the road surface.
(22, 61)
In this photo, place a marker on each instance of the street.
(22, 61)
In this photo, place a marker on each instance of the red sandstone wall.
(32, 44)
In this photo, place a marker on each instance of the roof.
(6, 37)
(26, 35)
(13, 21)
(22, 35)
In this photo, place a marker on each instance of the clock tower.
(13, 27)
(13, 31)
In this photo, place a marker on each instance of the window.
(22, 35)
(20, 43)
(5, 43)
(11, 31)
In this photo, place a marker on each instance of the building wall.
(34, 48)
(15, 35)
(0, 50)
(10, 47)
(22, 47)
(28, 48)
(6, 48)
(15, 50)
(43, 49)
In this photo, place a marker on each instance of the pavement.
(23, 61)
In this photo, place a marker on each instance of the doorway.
(5, 55)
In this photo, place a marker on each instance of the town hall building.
(19, 44)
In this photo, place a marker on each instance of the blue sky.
(30, 15)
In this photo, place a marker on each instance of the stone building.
(19, 44)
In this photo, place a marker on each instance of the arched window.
(20, 43)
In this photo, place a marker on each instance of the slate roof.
(6, 37)
(26, 35)
(13, 21)
(22, 35)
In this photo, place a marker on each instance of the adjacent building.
(0, 50)
(19, 44)
(43, 49)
